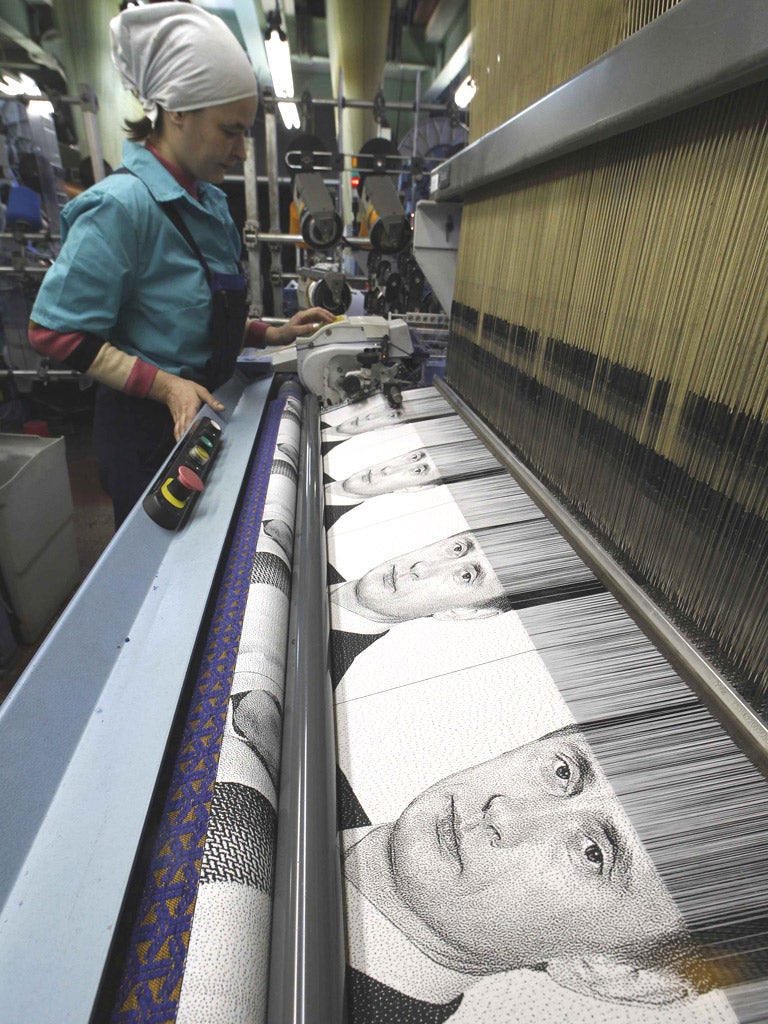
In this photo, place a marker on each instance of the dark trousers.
(133, 437)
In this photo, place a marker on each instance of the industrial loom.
(448, 702)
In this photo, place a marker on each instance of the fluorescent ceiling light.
(40, 107)
(22, 85)
(465, 93)
(290, 115)
(279, 58)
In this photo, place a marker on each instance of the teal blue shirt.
(125, 273)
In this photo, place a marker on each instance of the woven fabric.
(154, 962)
(241, 837)
(226, 971)
(271, 569)
(282, 468)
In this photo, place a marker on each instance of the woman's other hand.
(305, 322)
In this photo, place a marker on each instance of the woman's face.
(207, 143)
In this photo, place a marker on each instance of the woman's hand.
(183, 397)
(305, 322)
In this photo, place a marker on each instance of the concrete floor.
(70, 416)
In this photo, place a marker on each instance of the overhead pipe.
(357, 45)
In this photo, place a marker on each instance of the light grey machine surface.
(436, 231)
(333, 362)
(351, 358)
(84, 732)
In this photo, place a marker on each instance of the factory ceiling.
(401, 53)
(427, 39)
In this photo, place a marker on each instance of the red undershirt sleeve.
(256, 334)
(87, 353)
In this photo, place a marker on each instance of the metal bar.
(390, 158)
(398, 105)
(68, 101)
(285, 276)
(435, 108)
(23, 270)
(317, 63)
(270, 137)
(306, 982)
(89, 106)
(415, 142)
(357, 243)
(261, 179)
(279, 238)
(735, 715)
(345, 178)
(694, 52)
(255, 297)
(43, 374)
(339, 104)
(34, 236)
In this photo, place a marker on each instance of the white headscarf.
(179, 57)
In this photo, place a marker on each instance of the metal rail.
(735, 715)
(306, 984)
(281, 238)
(349, 104)
(43, 374)
(34, 236)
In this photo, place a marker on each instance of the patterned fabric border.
(151, 981)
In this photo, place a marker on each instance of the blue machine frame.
(84, 732)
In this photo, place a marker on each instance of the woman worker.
(147, 294)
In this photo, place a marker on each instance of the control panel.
(178, 486)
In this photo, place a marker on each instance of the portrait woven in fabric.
(539, 820)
